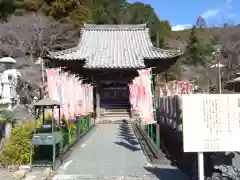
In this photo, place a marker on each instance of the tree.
(174, 72)
(164, 31)
(24, 6)
(229, 39)
(192, 47)
(6, 9)
(26, 38)
(139, 13)
(99, 12)
(201, 23)
(108, 11)
(197, 50)
(74, 11)
(32, 33)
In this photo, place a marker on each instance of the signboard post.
(200, 166)
(210, 122)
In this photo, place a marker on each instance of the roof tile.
(115, 46)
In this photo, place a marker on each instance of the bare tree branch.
(229, 38)
(25, 37)
(31, 33)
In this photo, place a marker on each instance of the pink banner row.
(174, 88)
(142, 98)
(168, 98)
(76, 98)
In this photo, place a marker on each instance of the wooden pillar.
(98, 115)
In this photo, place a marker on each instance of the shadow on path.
(167, 173)
(128, 146)
(128, 139)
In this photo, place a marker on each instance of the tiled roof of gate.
(114, 46)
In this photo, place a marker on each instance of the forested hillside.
(55, 25)
(78, 12)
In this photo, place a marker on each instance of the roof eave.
(49, 57)
(164, 58)
(171, 54)
(115, 67)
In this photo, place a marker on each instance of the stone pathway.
(112, 151)
(109, 151)
(5, 174)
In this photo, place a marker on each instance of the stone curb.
(25, 173)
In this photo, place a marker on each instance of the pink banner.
(53, 87)
(141, 96)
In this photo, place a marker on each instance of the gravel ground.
(112, 151)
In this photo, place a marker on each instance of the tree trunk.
(8, 128)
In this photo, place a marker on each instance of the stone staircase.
(115, 110)
(116, 113)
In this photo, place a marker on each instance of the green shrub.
(6, 116)
(17, 147)
(71, 125)
(73, 128)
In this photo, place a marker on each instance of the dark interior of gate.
(114, 99)
(114, 95)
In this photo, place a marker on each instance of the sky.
(182, 14)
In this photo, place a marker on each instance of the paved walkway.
(111, 151)
(5, 174)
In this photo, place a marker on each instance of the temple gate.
(109, 56)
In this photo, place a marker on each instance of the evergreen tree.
(174, 72)
(74, 11)
(201, 23)
(6, 8)
(197, 50)
(192, 47)
(24, 6)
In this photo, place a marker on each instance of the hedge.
(17, 147)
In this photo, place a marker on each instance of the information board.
(211, 122)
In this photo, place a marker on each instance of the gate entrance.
(114, 95)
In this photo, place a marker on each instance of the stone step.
(115, 107)
(117, 110)
(117, 117)
(114, 112)
(109, 120)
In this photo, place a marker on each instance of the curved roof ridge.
(114, 26)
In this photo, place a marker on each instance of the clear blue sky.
(183, 13)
